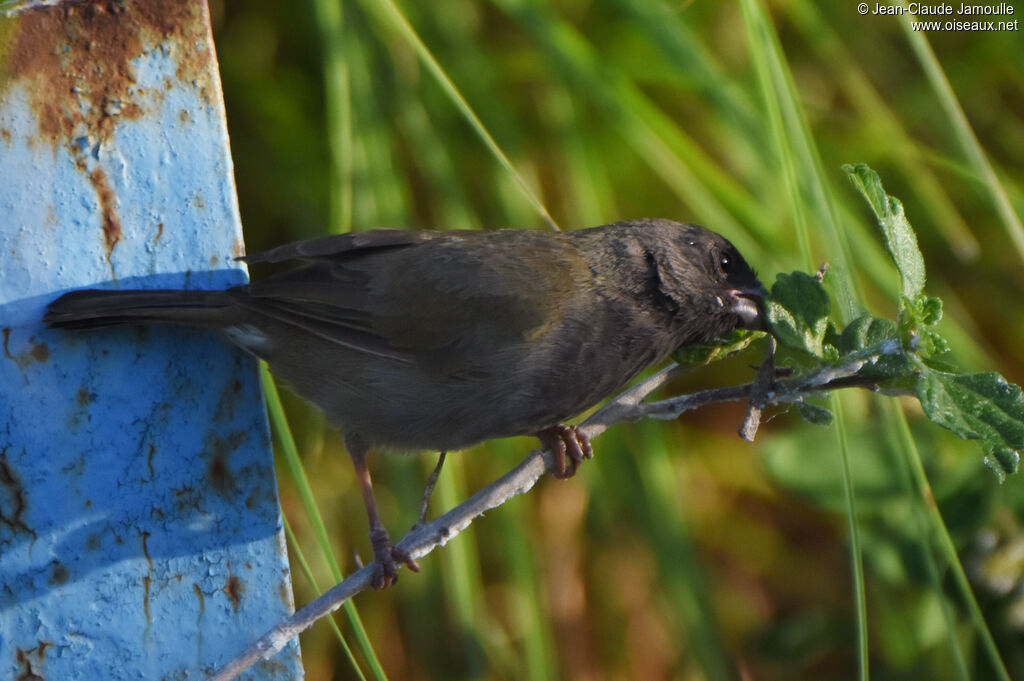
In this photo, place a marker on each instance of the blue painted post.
(139, 528)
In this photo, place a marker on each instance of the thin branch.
(759, 394)
(626, 407)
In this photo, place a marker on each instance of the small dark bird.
(441, 340)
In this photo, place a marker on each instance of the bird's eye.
(724, 264)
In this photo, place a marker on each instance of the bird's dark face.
(713, 287)
(737, 288)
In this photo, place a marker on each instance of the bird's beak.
(748, 305)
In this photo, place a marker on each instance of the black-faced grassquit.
(440, 340)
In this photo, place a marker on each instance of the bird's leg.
(385, 554)
(566, 442)
(431, 481)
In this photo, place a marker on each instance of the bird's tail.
(92, 308)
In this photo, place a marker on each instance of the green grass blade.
(779, 134)
(383, 196)
(299, 556)
(730, 104)
(524, 593)
(685, 581)
(898, 431)
(461, 572)
(656, 139)
(948, 549)
(806, 178)
(294, 464)
(878, 117)
(857, 557)
(584, 176)
(389, 12)
(963, 131)
(806, 182)
(338, 112)
(433, 159)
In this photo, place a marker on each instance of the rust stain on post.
(111, 223)
(147, 585)
(234, 587)
(13, 499)
(40, 352)
(59, 573)
(32, 660)
(7, 342)
(285, 593)
(218, 452)
(145, 549)
(75, 62)
(76, 59)
(201, 599)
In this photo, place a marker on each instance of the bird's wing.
(441, 300)
(352, 244)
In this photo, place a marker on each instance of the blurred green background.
(680, 552)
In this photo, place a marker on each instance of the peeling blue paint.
(140, 535)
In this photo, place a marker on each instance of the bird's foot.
(569, 446)
(387, 557)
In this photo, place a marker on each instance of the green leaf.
(916, 314)
(899, 235)
(798, 312)
(930, 310)
(720, 348)
(978, 407)
(931, 344)
(943, 363)
(870, 332)
(812, 413)
(865, 332)
(1002, 461)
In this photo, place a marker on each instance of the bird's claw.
(387, 557)
(569, 446)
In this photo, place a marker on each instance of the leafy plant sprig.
(905, 356)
